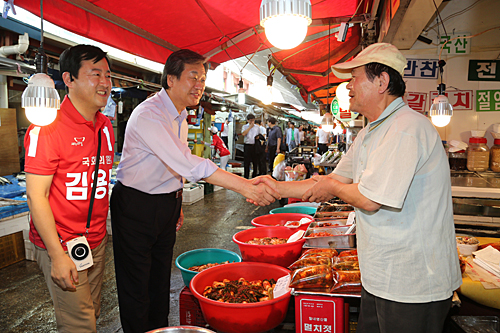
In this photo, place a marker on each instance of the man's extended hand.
(63, 272)
(262, 191)
(321, 191)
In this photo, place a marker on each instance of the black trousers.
(322, 148)
(384, 316)
(250, 156)
(272, 154)
(224, 139)
(143, 240)
(261, 162)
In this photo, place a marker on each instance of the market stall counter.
(475, 289)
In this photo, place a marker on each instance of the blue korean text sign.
(484, 70)
(421, 69)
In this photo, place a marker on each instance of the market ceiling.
(221, 30)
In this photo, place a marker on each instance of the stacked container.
(478, 154)
(495, 156)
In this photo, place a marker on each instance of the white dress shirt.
(323, 136)
(156, 155)
(252, 133)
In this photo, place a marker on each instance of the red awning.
(154, 29)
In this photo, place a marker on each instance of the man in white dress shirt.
(250, 130)
(146, 201)
(323, 140)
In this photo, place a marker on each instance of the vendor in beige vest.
(397, 177)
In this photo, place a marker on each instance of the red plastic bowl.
(282, 254)
(235, 317)
(273, 220)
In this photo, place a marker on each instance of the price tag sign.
(282, 286)
(350, 218)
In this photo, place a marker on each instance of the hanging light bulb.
(441, 111)
(327, 122)
(268, 96)
(40, 100)
(241, 92)
(343, 96)
(285, 21)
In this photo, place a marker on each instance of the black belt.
(119, 185)
(177, 193)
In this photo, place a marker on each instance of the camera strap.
(94, 185)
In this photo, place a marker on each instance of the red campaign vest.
(67, 150)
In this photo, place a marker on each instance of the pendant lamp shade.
(285, 21)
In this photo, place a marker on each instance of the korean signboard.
(460, 45)
(341, 114)
(459, 99)
(484, 70)
(320, 315)
(421, 69)
(417, 101)
(487, 100)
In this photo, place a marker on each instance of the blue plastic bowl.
(295, 209)
(201, 257)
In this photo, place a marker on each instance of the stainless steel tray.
(335, 207)
(339, 240)
(331, 215)
(324, 223)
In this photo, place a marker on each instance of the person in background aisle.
(273, 141)
(60, 168)
(292, 136)
(250, 131)
(219, 147)
(146, 203)
(260, 148)
(262, 129)
(323, 140)
(302, 135)
(397, 175)
(225, 132)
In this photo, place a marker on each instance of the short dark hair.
(250, 116)
(258, 121)
(272, 120)
(175, 64)
(396, 85)
(71, 58)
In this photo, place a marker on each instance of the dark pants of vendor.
(378, 315)
(249, 156)
(144, 234)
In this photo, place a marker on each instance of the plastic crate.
(192, 193)
(315, 313)
(189, 309)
